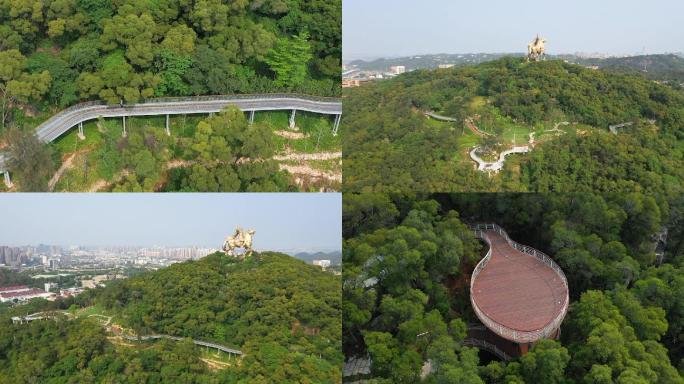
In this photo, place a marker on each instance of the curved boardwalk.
(517, 291)
(65, 120)
(54, 314)
(495, 166)
(70, 117)
(176, 338)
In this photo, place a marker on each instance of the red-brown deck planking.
(517, 290)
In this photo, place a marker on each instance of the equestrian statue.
(240, 239)
(536, 50)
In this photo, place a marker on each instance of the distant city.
(79, 257)
(52, 272)
(357, 72)
(94, 257)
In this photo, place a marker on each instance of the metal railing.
(242, 96)
(68, 118)
(473, 342)
(97, 103)
(177, 338)
(501, 330)
(40, 316)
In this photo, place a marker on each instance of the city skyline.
(283, 221)
(399, 28)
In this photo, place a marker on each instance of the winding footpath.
(54, 314)
(201, 343)
(495, 166)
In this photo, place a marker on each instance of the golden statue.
(536, 50)
(240, 239)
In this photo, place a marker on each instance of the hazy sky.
(381, 28)
(284, 221)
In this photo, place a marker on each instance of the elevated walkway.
(77, 114)
(516, 291)
(207, 344)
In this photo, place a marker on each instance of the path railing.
(501, 330)
(39, 316)
(157, 100)
(177, 338)
(473, 342)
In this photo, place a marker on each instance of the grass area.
(70, 142)
(476, 103)
(317, 128)
(82, 175)
(183, 125)
(442, 124)
(333, 165)
(468, 140)
(92, 310)
(516, 135)
(217, 355)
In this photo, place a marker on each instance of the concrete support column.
(251, 117)
(124, 126)
(168, 131)
(81, 135)
(8, 181)
(292, 118)
(336, 126)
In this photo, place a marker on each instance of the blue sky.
(381, 28)
(283, 221)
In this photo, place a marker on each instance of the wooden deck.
(517, 290)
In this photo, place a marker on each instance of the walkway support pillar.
(251, 117)
(168, 131)
(124, 126)
(8, 181)
(336, 126)
(292, 119)
(81, 135)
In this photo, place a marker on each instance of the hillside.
(664, 67)
(430, 61)
(558, 109)
(282, 314)
(668, 67)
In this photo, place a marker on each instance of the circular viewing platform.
(517, 292)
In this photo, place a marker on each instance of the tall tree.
(289, 59)
(17, 85)
(29, 159)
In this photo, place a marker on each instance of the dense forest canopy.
(391, 146)
(282, 314)
(54, 53)
(407, 259)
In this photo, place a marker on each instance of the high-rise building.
(11, 256)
